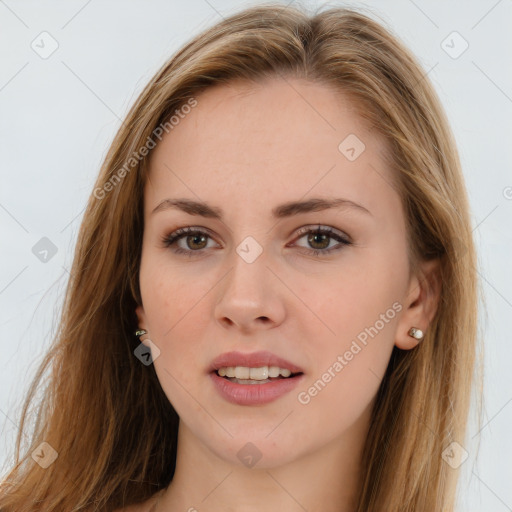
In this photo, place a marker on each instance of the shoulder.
(137, 507)
(146, 506)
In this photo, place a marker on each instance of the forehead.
(275, 140)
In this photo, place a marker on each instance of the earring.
(140, 332)
(416, 333)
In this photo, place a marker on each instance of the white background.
(59, 115)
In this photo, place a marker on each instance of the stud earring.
(416, 333)
(140, 332)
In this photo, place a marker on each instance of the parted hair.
(106, 414)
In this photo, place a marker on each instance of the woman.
(273, 299)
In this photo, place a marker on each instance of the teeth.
(258, 373)
(246, 373)
(273, 371)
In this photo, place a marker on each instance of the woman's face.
(255, 280)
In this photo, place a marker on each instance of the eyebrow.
(279, 212)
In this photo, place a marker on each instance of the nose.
(251, 297)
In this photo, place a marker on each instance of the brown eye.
(319, 239)
(193, 241)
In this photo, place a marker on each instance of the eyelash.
(180, 233)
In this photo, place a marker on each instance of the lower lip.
(254, 394)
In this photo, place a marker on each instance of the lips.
(252, 360)
(255, 394)
(243, 392)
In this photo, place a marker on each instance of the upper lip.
(252, 360)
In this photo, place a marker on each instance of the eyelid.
(341, 237)
(182, 232)
(190, 230)
(323, 228)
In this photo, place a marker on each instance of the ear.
(422, 301)
(142, 324)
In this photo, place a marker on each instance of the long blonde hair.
(105, 413)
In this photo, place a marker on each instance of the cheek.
(348, 367)
(350, 303)
(170, 295)
(176, 318)
(359, 310)
(174, 306)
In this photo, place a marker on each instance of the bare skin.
(246, 149)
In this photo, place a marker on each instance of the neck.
(326, 479)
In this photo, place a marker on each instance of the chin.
(254, 450)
